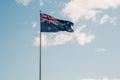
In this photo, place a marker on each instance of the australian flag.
(51, 24)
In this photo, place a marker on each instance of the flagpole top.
(40, 11)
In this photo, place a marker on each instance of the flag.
(51, 24)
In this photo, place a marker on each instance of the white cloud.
(34, 24)
(43, 40)
(23, 2)
(62, 38)
(53, 39)
(36, 41)
(82, 37)
(87, 9)
(107, 18)
(41, 3)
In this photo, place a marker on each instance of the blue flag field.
(51, 24)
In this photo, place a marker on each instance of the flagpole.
(40, 54)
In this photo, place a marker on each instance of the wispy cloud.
(87, 9)
(23, 2)
(41, 3)
(87, 79)
(53, 39)
(83, 37)
(34, 24)
(36, 41)
(107, 18)
(100, 50)
(103, 78)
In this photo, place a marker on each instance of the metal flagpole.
(40, 54)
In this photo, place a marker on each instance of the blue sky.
(91, 52)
